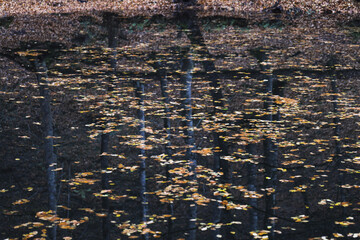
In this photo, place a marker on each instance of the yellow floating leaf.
(21, 201)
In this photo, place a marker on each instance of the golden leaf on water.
(89, 210)
(204, 152)
(30, 235)
(344, 223)
(145, 231)
(21, 201)
(7, 212)
(101, 214)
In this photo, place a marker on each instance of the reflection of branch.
(262, 211)
(297, 167)
(47, 51)
(179, 231)
(255, 74)
(236, 201)
(22, 61)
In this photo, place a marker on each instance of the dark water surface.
(196, 127)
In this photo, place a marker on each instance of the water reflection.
(196, 127)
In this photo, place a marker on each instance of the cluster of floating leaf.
(157, 6)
